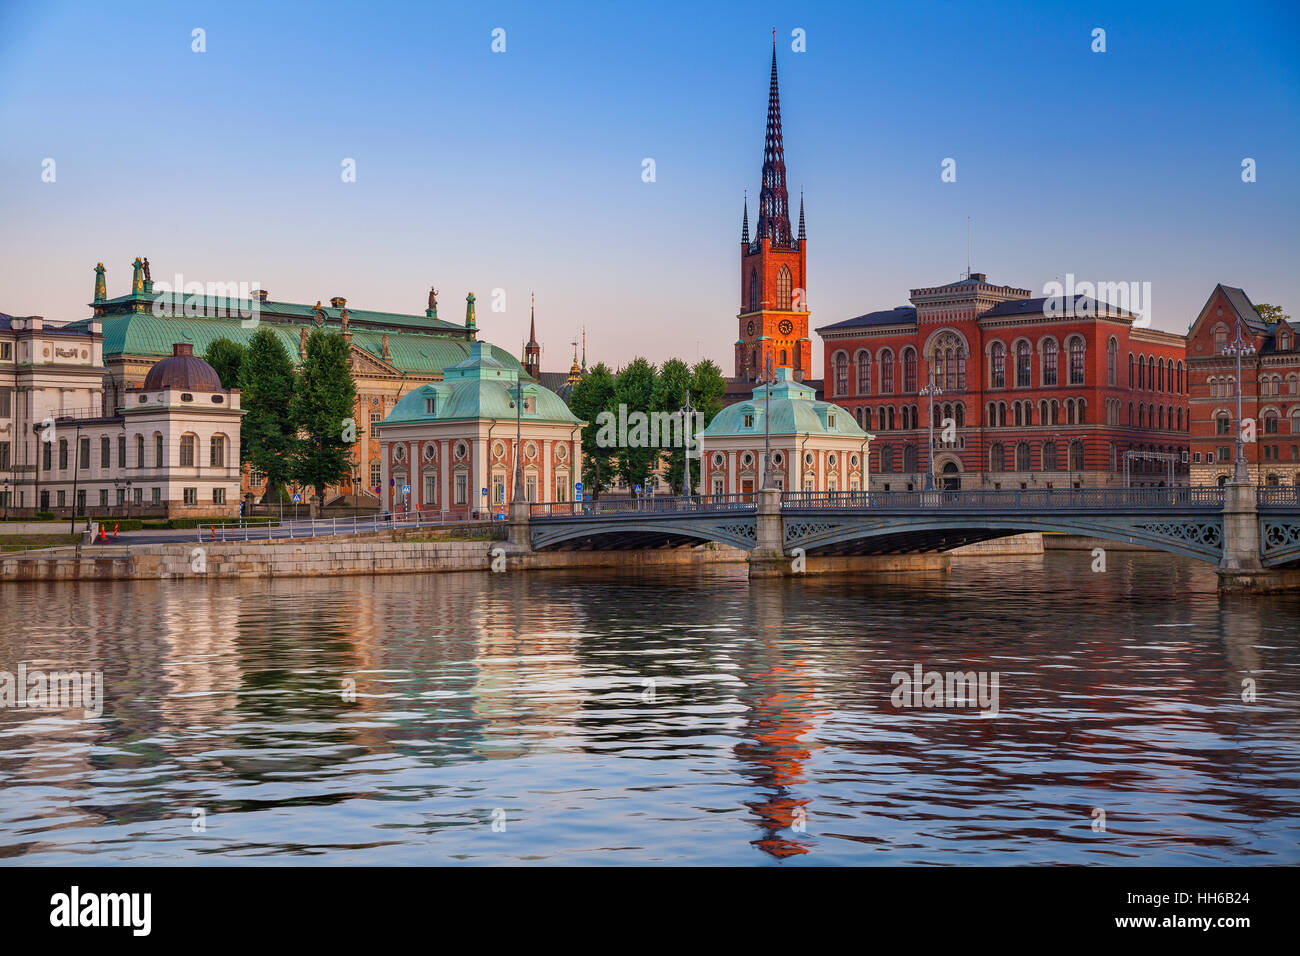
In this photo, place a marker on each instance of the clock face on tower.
(749, 329)
(786, 327)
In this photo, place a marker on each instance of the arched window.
(1132, 372)
(997, 457)
(864, 373)
(1112, 355)
(909, 369)
(887, 372)
(1076, 360)
(998, 366)
(948, 360)
(753, 290)
(841, 374)
(1076, 455)
(1220, 338)
(1022, 364)
(887, 459)
(909, 458)
(783, 285)
(1022, 456)
(1049, 362)
(1050, 462)
(785, 362)
(866, 418)
(1160, 376)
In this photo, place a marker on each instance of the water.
(768, 735)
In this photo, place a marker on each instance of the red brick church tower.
(773, 288)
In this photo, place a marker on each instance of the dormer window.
(431, 405)
(830, 421)
(749, 421)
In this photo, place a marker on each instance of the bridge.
(1252, 535)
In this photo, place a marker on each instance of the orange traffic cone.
(103, 533)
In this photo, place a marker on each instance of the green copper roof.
(211, 306)
(142, 333)
(795, 411)
(481, 386)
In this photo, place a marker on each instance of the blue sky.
(521, 170)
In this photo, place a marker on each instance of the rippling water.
(675, 716)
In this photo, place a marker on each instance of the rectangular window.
(6, 407)
(121, 451)
(187, 451)
(530, 488)
(4, 456)
(719, 486)
(376, 474)
(121, 496)
(431, 491)
(749, 421)
(138, 496)
(103, 497)
(191, 496)
(6, 351)
(431, 405)
(217, 451)
(63, 454)
(63, 498)
(83, 454)
(218, 496)
(562, 488)
(158, 452)
(47, 454)
(498, 489)
(105, 453)
(45, 500)
(156, 495)
(462, 489)
(81, 501)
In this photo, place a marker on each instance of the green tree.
(323, 408)
(634, 388)
(267, 432)
(594, 394)
(1271, 313)
(671, 385)
(707, 388)
(225, 356)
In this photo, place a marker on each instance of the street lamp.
(1238, 348)
(931, 390)
(768, 379)
(519, 448)
(686, 436)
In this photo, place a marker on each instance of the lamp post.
(1238, 348)
(686, 436)
(519, 448)
(767, 423)
(6, 486)
(931, 390)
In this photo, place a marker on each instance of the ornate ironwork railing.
(1278, 496)
(1028, 499)
(651, 505)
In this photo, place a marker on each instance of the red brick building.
(1270, 394)
(1036, 392)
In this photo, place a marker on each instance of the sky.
(522, 170)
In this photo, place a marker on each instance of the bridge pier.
(768, 559)
(1241, 570)
(518, 528)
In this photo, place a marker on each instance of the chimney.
(182, 348)
(261, 295)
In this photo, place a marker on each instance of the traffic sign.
(406, 489)
(637, 489)
(577, 486)
(297, 498)
(484, 491)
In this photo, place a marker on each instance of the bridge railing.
(1278, 496)
(655, 504)
(1028, 499)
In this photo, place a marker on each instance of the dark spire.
(532, 351)
(773, 201)
(802, 235)
(744, 225)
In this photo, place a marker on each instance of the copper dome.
(183, 370)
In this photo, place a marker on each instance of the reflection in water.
(672, 716)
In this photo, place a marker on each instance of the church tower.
(773, 314)
(532, 350)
